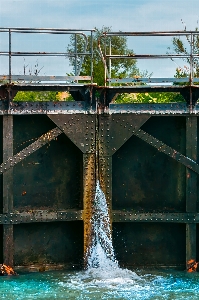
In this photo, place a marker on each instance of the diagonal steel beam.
(40, 142)
(160, 146)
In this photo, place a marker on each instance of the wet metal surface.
(144, 155)
(133, 180)
(43, 246)
(152, 244)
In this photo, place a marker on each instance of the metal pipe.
(37, 30)
(191, 60)
(10, 57)
(103, 58)
(42, 54)
(75, 55)
(83, 55)
(151, 33)
(91, 49)
(105, 77)
(109, 61)
(147, 56)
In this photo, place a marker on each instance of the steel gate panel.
(133, 179)
(145, 156)
(146, 180)
(52, 168)
(150, 245)
(44, 244)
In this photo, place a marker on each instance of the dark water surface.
(93, 284)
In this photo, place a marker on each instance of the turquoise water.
(91, 285)
(104, 279)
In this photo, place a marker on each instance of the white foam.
(102, 263)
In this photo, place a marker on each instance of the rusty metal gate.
(145, 156)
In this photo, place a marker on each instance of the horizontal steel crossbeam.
(40, 216)
(128, 216)
(151, 109)
(46, 107)
(77, 215)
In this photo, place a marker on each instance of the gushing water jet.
(101, 260)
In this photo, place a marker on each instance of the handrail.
(75, 53)
(107, 58)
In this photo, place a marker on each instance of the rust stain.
(88, 198)
(192, 266)
(6, 270)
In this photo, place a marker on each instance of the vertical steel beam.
(89, 185)
(8, 189)
(191, 186)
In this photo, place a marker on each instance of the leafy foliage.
(180, 48)
(35, 96)
(43, 96)
(120, 67)
(149, 98)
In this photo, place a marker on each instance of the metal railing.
(108, 57)
(37, 79)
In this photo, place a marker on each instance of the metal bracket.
(115, 130)
(190, 94)
(79, 128)
(106, 96)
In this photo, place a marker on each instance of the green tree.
(120, 67)
(184, 48)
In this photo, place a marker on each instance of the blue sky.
(125, 15)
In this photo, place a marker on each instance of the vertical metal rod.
(191, 74)
(91, 56)
(191, 61)
(105, 62)
(10, 56)
(110, 60)
(75, 54)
